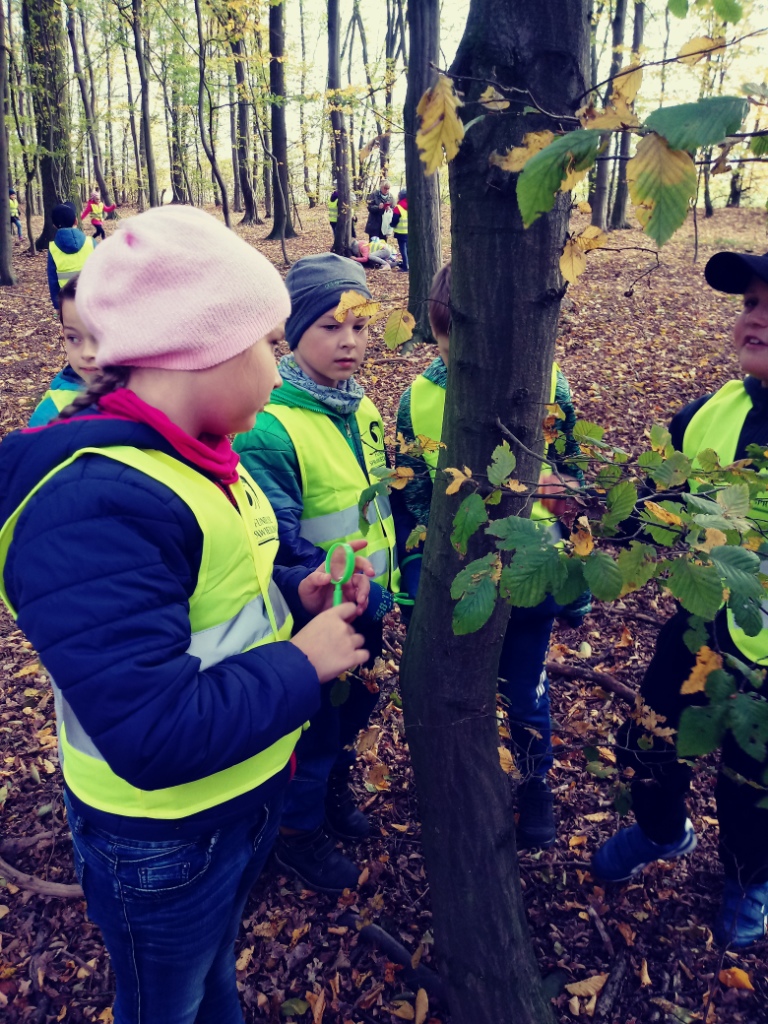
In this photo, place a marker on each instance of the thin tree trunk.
(424, 229)
(282, 226)
(267, 177)
(312, 197)
(111, 153)
(7, 276)
(243, 141)
(502, 346)
(140, 46)
(342, 234)
(599, 199)
(206, 135)
(90, 120)
(237, 202)
(619, 220)
(140, 193)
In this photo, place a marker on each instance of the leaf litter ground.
(637, 341)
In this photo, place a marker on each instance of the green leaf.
(759, 145)
(607, 477)
(340, 692)
(720, 686)
(649, 460)
(728, 10)
(471, 574)
(621, 501)
(749, 722)
(374, 491)
(503, 464)
(469, 518)
(531, 575)
(747, 612)
(663, 533)
(622, 800)
(704, 505)
(689, 126)
(662, 182)
(584, 431)
(473, 610)
(701, 730)
(600, 770)
(541, 177)
(734, 500)
(637, 565)
(679, 8)
(739, 569)
(494, 498)
(697, 635)
(574, 584)
(660, 436)
(697, 587)
(515, 532)
(708, 460)
(673, 472)
(603, 576)
(416, 537)
(293, 1008)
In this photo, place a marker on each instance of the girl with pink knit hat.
(96, 208)
(181, 685)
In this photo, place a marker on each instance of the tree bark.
(619, 219)
(206, 133)
(140, 192)
(243, 133)
(502, 345)
(44, 38)
(237, 198)
(137, 23)
(90, 120)
(7, 276)
(282, 226)
(424, 244)
(342, 234)
(312, 197)
(599, 198)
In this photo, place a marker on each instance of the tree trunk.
(342, 234)
(599, 198)
(282, 225)
(737, 189)
(90, 120)
(237, 199)
(424, 245)
(140, 46)
(619, 219)
(140, 194)
(44, 38)
(312, 197)
(266, 172)
(6, 245)
(502, 345)
(243, 134)
(207, 134)
(709, 208)
(111, 154)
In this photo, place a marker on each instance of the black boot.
(342, 817)
(536, 823)
(314, 858)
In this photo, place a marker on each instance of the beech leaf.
(441, 129)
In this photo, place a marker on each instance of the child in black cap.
(67, 252)
(727, 422)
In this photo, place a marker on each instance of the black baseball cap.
(732, 271)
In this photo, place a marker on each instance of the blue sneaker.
(630, 850)
(743, 916)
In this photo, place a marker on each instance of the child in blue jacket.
(67, 252)
(180, 685)
(315, 449)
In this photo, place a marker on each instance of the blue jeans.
(524, 684)
(402, 241)
(169, 913)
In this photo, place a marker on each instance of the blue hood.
(69, 240)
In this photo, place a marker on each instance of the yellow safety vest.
(376, 244)
(717, 425)
(333, 210)
(402, 224)
(427, 409)
(332, 482)
(69, 263)
(62, 397)
(14, 205)
(235, 606)
(97, 209)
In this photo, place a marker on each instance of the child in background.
(523, 680)
(167, 628)
(727, 422)
(96, 209)
(315, 450)
(68, 251)
(400, 226)
(81, 368)
(13, 202)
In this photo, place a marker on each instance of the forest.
(578, 164)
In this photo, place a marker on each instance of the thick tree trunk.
(619, 219)
(44, 38)
(424, 247)
(343, 230)
(505, 301)
(282, 225)
(599, 198)
(243, 134)
(111, 153)
(140, 191)
(6, 243)
(90, 120)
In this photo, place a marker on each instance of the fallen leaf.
(735, 977)
(707, 661)
(422, 1006)
(645, 978)
(589, 987)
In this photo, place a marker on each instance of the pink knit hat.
(174, 288)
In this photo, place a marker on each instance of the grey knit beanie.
(315, 285)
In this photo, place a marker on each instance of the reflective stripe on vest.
(69, 263)
(332, 482)
(228, 614)
(402, 224)
(333, 210)
(718, 425)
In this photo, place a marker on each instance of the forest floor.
(637, 341)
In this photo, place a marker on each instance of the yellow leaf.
(441, 128)
(573, 842)
(428, 444)
(572, 179)
(4, 910)
(360, 305)
(422, 1006)
(516, 159)
(626, 638)
(400, 477)
(589, 987)
(457, 479)
(244, 959)
(516, 486)
(506, 761)
(378, 777)
(573, 262)
(106, 1016)
(581, 538)
(368, 740)
(417, 536)
(626, 83)
(697, 49)
(663, 514)
(584, 207)
(734, 977)
(492, 99)
(29, 670)
(707, 661)
(399, 328)
(627, 933)
(402, 1010)
(713, 538)
(661, 182)
(645, 978)
(591, 238)
(573, 1006)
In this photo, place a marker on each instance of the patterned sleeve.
(564, 399)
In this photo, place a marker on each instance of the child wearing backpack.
(139, 557)
(523, 679)
(727, 422)
(315, 449)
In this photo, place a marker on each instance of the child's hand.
(554, 492)
(331, 643)
(316, 591)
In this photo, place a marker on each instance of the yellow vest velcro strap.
(250, 626)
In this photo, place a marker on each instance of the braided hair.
(110, 379)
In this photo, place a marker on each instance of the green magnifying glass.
(349, 568)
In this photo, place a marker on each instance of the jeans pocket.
(151, 870)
